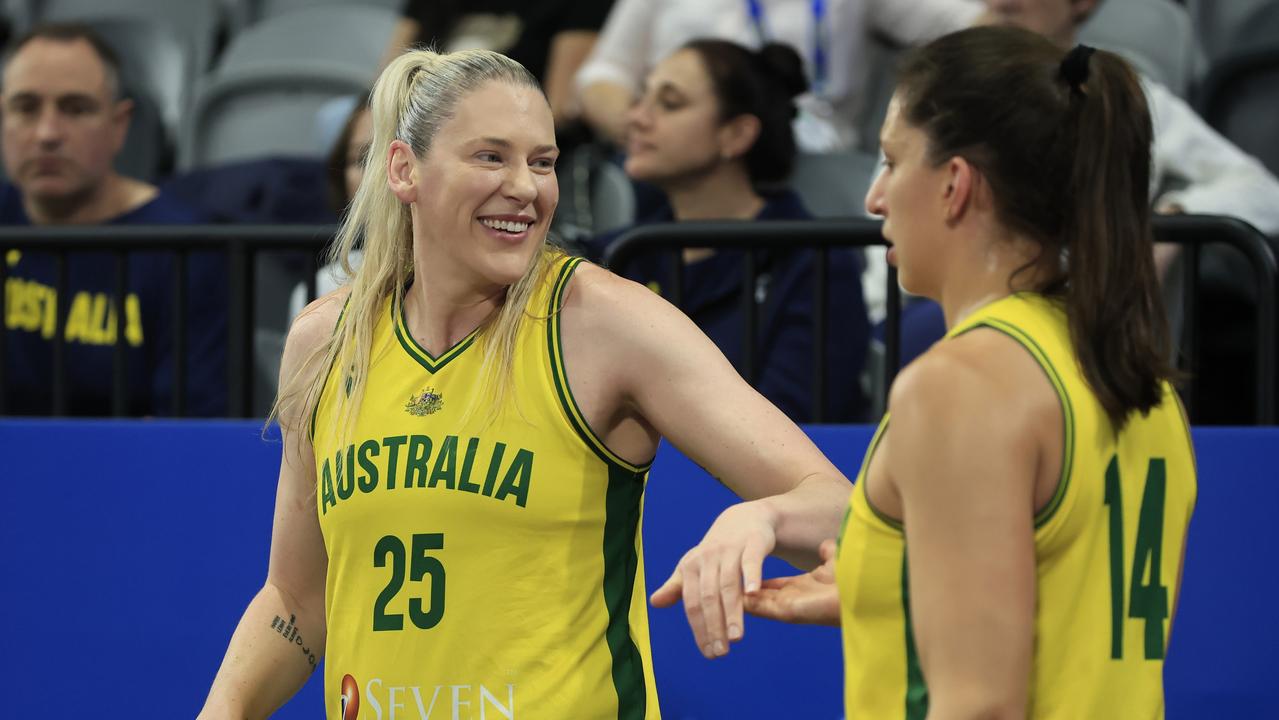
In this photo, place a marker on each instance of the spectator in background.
(63, 125)
(346, 157)
(549, 37)
(831, 35)
(345, 173)
(1195, 169)
(712, 129)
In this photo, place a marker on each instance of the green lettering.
(517, 478)
(419, 453)
(464, 483)
(346, 476)
(446, 463)
(326, 488)
(368, 483)
(392, 444)
(495, 462)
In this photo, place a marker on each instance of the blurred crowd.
(148, 112)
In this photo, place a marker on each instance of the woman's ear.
(738, 136)
(401, 171)
(962, 180)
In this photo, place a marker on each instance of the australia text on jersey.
(404, 461)
(91, 320)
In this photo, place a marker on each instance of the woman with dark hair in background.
(713, 132)
(345, 163)
(1015, 538)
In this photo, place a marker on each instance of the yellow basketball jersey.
(479, 567)
(1108, 548)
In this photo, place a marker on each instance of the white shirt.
(1211, 176)
(640, 33)
(1215, 176)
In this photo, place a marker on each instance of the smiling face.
(62, 125)
(910, 194)
(674, 129)
(485, 193)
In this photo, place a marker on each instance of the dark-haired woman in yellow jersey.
(1014, 541)
(468, 426)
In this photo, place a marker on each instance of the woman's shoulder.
(315, 324)
(982, 371)
(611, 308)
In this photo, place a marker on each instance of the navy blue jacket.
(784, 352)
(90, 323)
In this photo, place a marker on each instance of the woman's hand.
(808, 599)
(711, 577)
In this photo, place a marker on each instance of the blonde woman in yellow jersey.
(1013, 544)
(468, 426)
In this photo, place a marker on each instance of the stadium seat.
(350, 35)
(1220, 23)
(195, 22)
(1154, 35)
(155, 75)
(834, 184)
(1240, 97)
(248, 12)
(269, 85)
(265, 111)
(146, 155)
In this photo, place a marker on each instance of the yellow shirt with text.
(479, 566)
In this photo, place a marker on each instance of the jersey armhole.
(560, 377)
(1046, 513)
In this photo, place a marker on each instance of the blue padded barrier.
(130, 548)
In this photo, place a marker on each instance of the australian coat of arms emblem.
(424, 403)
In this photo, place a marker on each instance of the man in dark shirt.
(63, 125)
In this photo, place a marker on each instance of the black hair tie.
(1074, 67)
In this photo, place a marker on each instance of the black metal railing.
(1190, 231)
(243, 244)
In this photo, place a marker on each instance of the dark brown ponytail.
(1063, 139)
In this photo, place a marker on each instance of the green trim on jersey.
(575, 417)
(916, 687)
(621, 565)
(419, 353)
(1067, 410)
(864, 474)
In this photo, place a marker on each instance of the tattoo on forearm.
(289, 631)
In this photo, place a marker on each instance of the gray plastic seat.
(834, 184)
(154, 65)
(1241, 95)
(1242, 102)
(350, 35)
(1220, 23)
(247, 12)
(263, 111)
(1156, 36)
(274, 77)
(195, 23)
